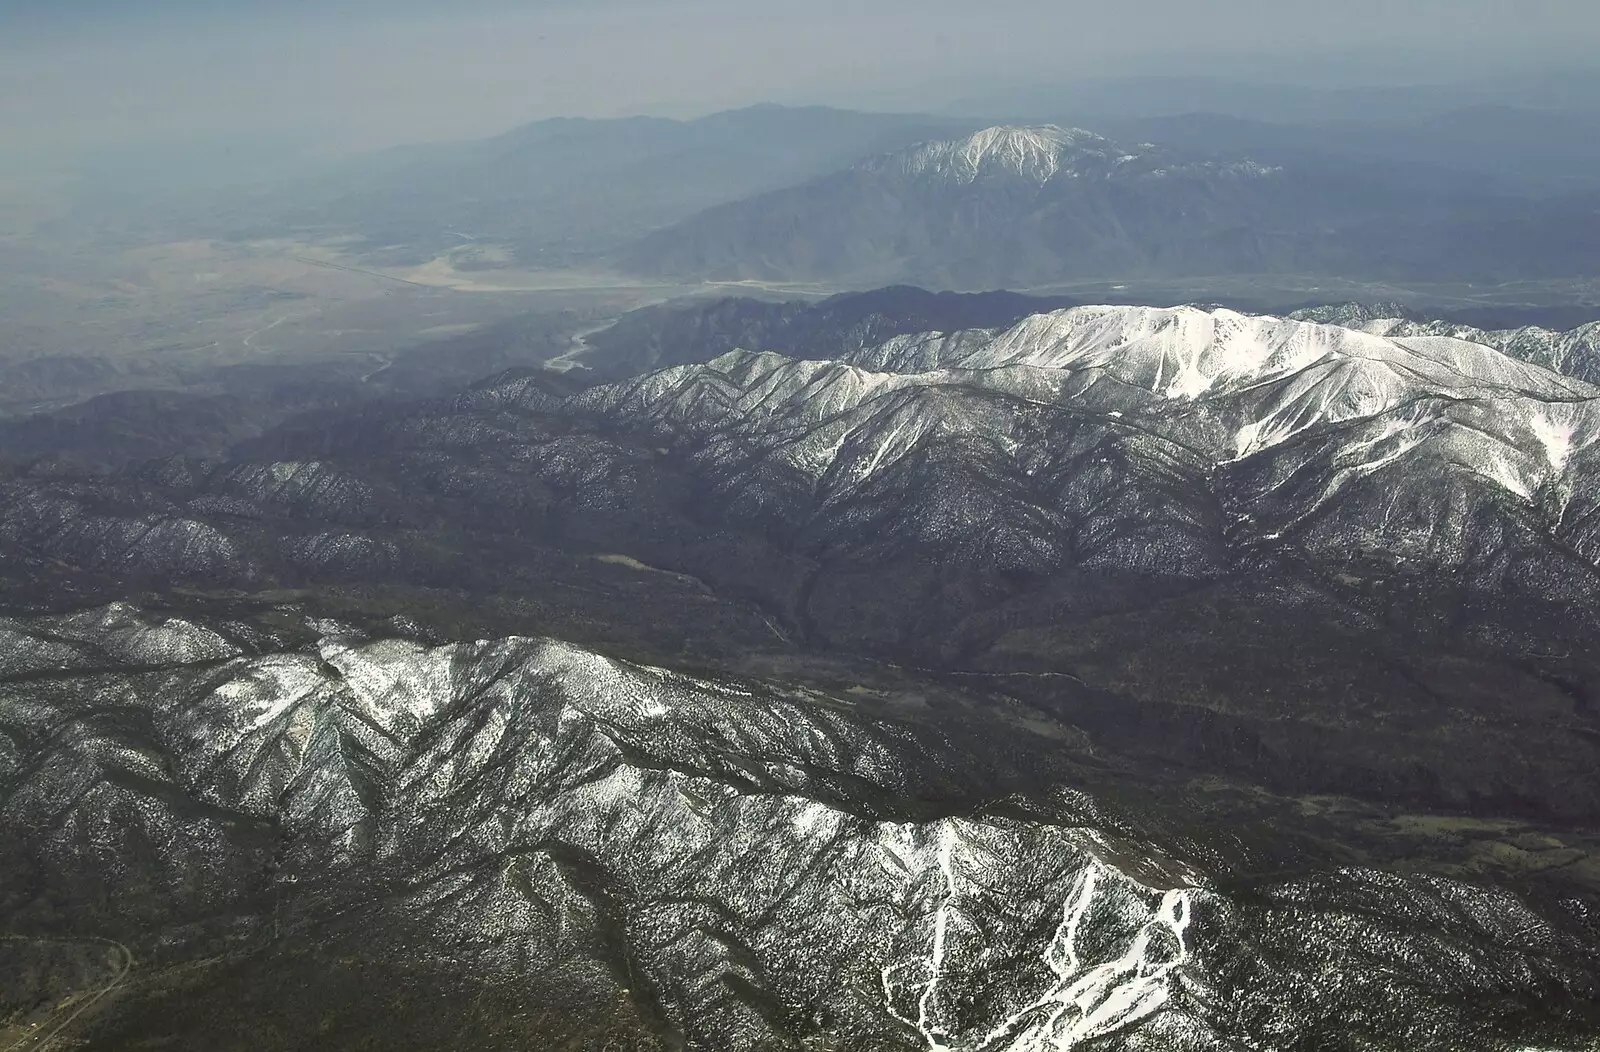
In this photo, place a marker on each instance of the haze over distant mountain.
(561, 185)
(1517, 149)
(1282, 99)
(1032, 206)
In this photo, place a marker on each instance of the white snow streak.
(1084, 1001)
(1556, 436)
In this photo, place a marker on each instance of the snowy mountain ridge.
(1173, 440)
(1039, 153)
(1272, 378)
(1575, 352)
(527, 793)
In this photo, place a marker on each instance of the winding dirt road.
(36, 1040)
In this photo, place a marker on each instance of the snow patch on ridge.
(1556, 436)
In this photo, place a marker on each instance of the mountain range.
(846, 200)
(1102, 677)
(587, 589)
(857, 200)
(1013, 206)
(518, 840)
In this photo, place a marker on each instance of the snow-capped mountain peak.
(1032, 152)
(1038, 154)
(1027, 150)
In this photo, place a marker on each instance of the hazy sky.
(374, 72)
